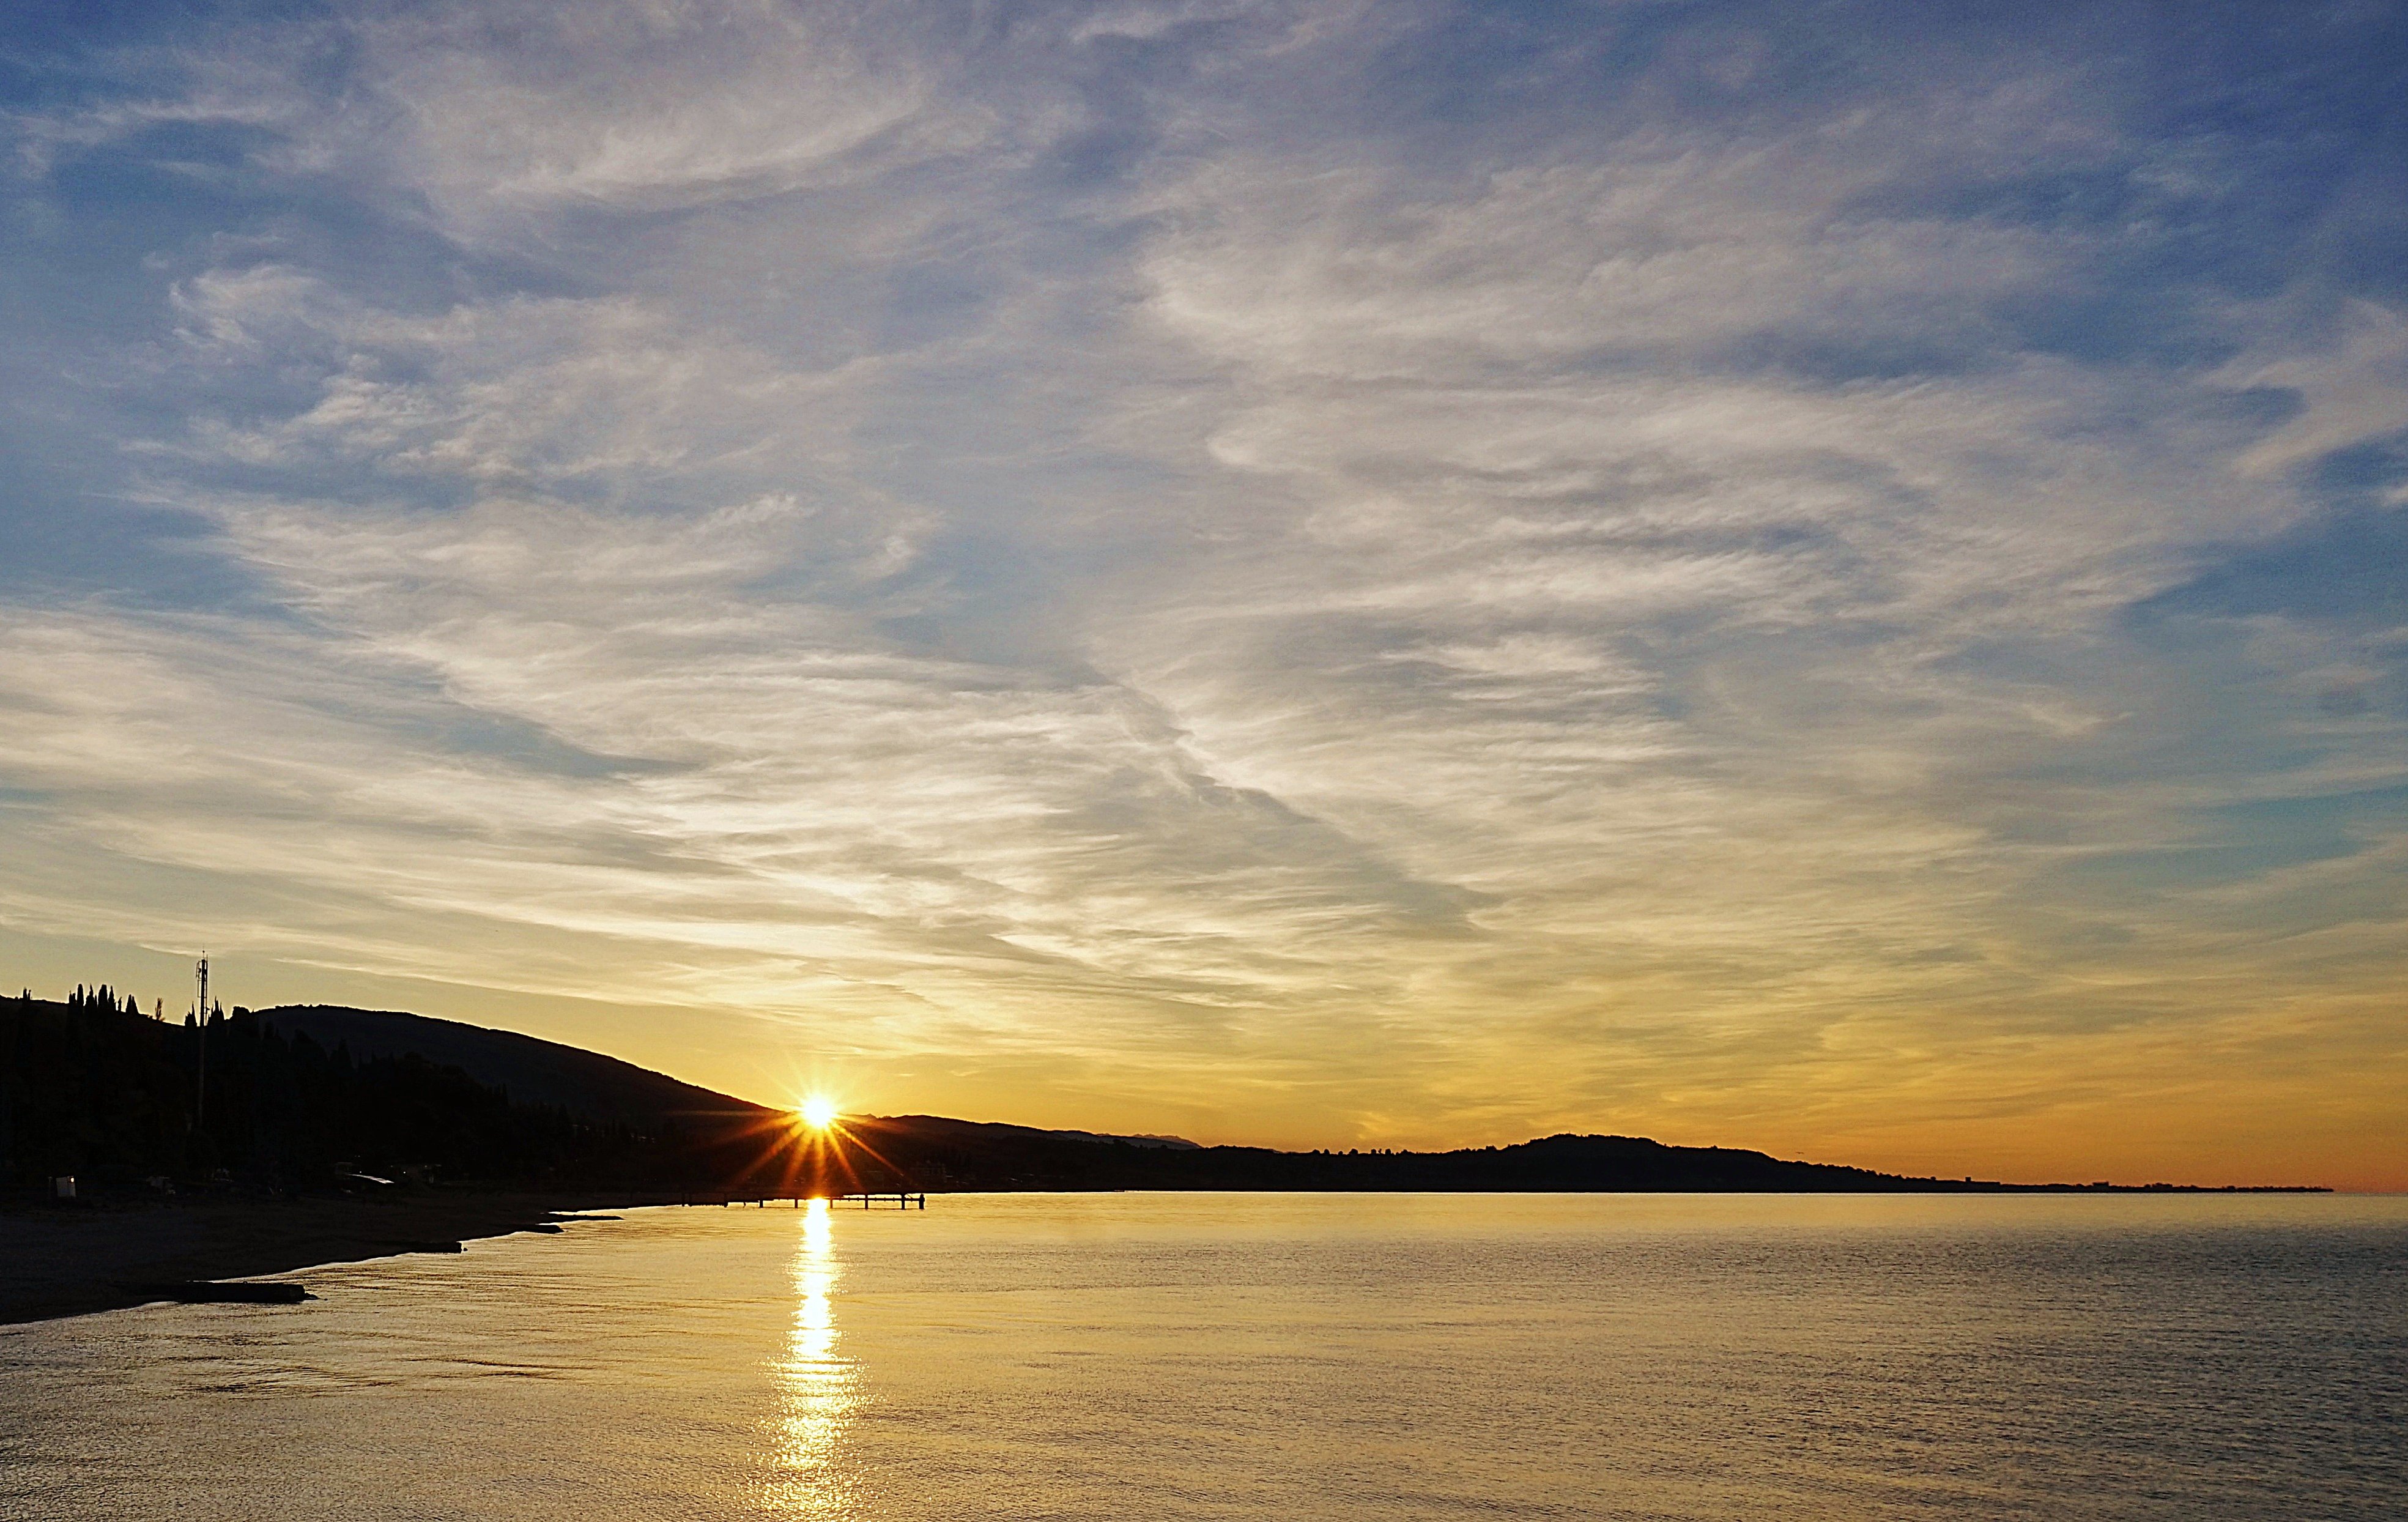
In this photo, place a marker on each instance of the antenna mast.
(201, 1021)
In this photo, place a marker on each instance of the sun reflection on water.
(816, 1387)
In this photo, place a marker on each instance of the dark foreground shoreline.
(66, 1261)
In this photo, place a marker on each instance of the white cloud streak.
(1615, 629)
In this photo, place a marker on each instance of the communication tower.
(201, 1041)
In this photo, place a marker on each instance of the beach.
(64, 1261)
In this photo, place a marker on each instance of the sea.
(1249, 1357)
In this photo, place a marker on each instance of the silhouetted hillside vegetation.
(93, 1089)
(530, 1070)
(968, 1154)
(298, 1096)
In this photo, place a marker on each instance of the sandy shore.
(64, 1262)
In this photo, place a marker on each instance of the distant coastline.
(308, 1099)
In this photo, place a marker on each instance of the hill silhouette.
(308, 1096)
(94, 1090)
(530, 1070)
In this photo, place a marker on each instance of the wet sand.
(65, 1261)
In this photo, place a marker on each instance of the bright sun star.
(818, 1112)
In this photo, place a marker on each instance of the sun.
(819, 1112)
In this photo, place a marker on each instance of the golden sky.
(1822, 581)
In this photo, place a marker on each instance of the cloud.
(2354, 390)
(1237, 549)
(522, 391)
(633, 107)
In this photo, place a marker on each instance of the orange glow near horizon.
(818, 1112)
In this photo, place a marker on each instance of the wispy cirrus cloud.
(1420, 571)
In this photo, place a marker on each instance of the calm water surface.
(1275, 1357)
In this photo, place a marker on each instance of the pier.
(882, 1200)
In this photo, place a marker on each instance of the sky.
(1822, 577)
